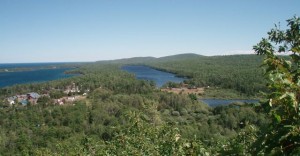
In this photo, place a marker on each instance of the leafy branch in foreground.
(283, 73)
(142, 138)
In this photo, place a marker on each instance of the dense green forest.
(94, 123)
(121, 115)
(236, 73)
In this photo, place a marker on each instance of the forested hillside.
(93, 123)
(238, 72)
(117, 114)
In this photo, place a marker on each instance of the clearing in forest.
(184, 90)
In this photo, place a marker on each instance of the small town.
(71, 93)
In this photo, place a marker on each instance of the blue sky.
(91, 30)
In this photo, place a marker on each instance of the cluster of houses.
(72, 89)
(68, 99)
(24, 99)
(33, 97)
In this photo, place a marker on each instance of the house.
(24, 102)
(70, 99)
(21, 97)
(60, 101)
(33, 95)
(11, 100)
(72, 89)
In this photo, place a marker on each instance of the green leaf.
(278, 118)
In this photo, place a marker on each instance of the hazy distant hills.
(133, 60)
(181, 57)
(143, 60)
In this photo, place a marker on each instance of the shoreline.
(61, 73)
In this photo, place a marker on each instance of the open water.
(41, 75)
(218, 102)
(147, 73)
(160, 78)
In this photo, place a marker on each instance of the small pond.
(148, 73)
(217, 102)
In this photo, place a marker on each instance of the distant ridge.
(133, 60)
(142, 60)
(180, 56)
